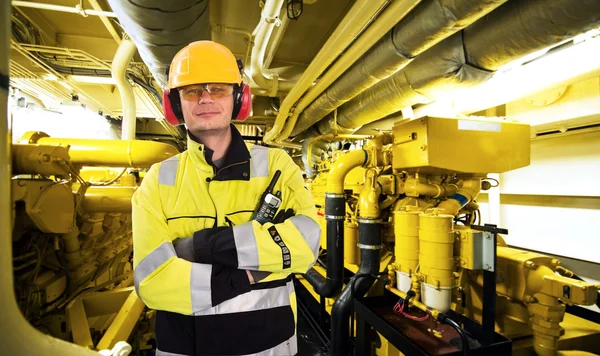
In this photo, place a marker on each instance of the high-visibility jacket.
(229, 316)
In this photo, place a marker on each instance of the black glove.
(283, 216)
(199, 248)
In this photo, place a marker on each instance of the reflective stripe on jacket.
(185, 194)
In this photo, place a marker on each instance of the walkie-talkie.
(269, 202)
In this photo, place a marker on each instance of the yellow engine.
(72, 242)
(420, 184)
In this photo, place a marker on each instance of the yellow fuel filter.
(436, 258)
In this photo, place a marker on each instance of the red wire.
(399, 309)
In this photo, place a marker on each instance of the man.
(220, 281)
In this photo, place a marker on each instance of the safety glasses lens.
(216, 90)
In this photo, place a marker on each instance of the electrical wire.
(399, 309)
(463, 336)
(102, 184)
(492, 179)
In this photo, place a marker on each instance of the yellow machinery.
(422, 189)
(72, 246)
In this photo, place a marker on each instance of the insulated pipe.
(120, 62)
(161, 28)
(359, 16)
(112, 153)
(469, 58)
(369, 230)
(335, 214)
(262, 34)
(74, 10)
(427, 24)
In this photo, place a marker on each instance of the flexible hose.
(465, 341)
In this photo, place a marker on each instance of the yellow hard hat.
(203, 62)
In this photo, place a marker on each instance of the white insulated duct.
(120, 62)
(427, 24)
(469, 58)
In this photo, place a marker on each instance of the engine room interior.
(451, 147)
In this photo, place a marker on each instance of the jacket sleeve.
(291, 246)
(164, 281)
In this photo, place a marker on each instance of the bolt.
(423, 147)
(488, 267)
(488, 236)
(529, 264)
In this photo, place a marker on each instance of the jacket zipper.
(231, 165)
(217, 213)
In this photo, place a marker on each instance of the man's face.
(205, 113)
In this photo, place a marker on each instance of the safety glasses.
(216, 90)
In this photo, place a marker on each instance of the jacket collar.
(235, 164)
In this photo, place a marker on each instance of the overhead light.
(92, 80)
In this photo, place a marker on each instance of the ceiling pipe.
(77, 9)
(161, 28)
(426, 25)
(345, 39)
(285, 21)
(469, 58)
(269, 18)
(122, 58)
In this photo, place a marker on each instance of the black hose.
(370, 240)
(335, 210)
(463, 336)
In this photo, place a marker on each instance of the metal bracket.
(488, 249)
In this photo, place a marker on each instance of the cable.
(492, 179)
(465, 341)
(102, 184)
(399, 309)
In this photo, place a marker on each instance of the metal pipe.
(395, 12)
(112, 153)
(122, 58)
(276, 41)
(361, 13)
(74, 10)
(13, 330)
(468, 192)
(108, 199)
(341, 167)
(313, 140)
(262, 34)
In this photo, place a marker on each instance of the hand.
(283, 216)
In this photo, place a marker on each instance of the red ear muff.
(245, 103)
(169, 111)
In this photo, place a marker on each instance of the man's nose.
(206, 97)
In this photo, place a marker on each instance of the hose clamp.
(335, 195)
(369, 221)
(334, 217)
(369, 247)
